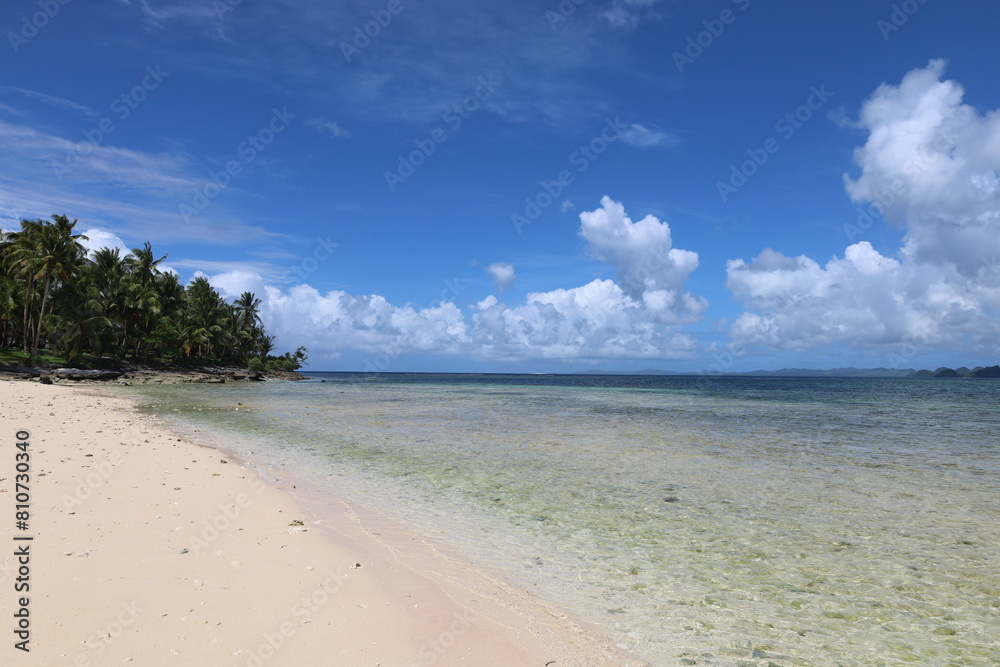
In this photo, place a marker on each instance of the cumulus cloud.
(639, 314)
(502, 274)
(863, 299)
(596, 321)
(98, 238)
(648, 268)
(332, 322)
(930, 165)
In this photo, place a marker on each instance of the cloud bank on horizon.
(930, 165)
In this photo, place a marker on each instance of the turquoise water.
(726, 522)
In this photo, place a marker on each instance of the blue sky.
(535, 186)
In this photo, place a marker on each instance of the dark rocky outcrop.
(78, 374)
(129, 374)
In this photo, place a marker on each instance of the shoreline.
(133, 374)
(160, 550)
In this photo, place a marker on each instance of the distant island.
(962, 372)
(850, 372)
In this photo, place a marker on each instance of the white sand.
(115, 498)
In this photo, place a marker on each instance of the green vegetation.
(59, 305)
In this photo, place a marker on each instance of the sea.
(730, 521)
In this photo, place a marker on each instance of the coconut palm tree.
(142, 267)
(47, 253)
(53, 293)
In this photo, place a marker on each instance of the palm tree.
(47, 252)
(8, 292)
(51, 292)
(142, 266)
(204, 316)
(106, 273)
(78, 320)
(22, 257)
(247, 308)
(248, 325)
(265, 345)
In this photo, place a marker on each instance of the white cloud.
(231, 284)
(331, 323)
(51, 100)
(861, 300)
(136, 191)
(196, 12)
(98, 238)
(626, 14)
(330, 128)
(502, 274)
(643, 137)
(640, 314)
(648, 268)
(931, 164)
(595, 321)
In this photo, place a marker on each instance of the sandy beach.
(153, 550)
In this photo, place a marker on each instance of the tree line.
(56, 296)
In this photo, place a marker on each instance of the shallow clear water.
(733, 522)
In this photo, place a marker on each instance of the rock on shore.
(132, 376)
